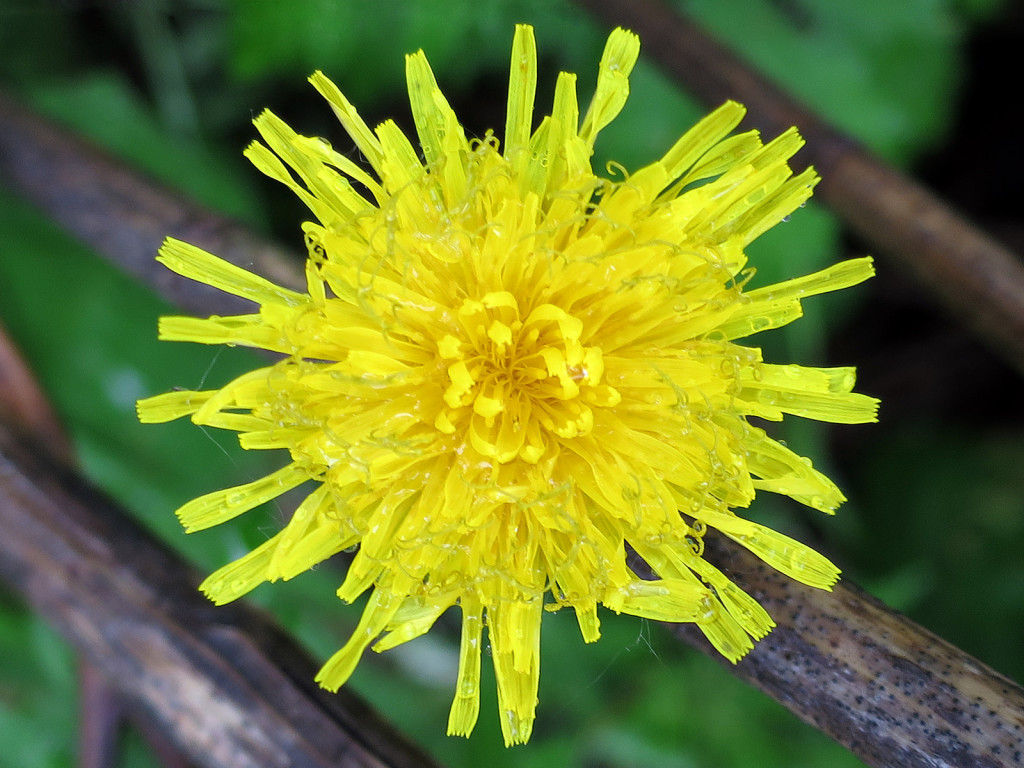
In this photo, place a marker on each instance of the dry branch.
(123, 215)
(229, 686)
(870, 678)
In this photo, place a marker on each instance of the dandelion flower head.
(509, 373)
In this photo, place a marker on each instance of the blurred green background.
(935, 522)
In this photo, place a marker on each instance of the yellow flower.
(508, 371)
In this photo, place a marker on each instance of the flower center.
(515, 384)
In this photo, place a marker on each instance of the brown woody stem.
(123, 215)
(229, 686)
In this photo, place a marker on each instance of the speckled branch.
(870, 678)
(887, 689)
(972, 275)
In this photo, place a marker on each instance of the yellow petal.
(171, 405)
(203, 267)
(522, 88)
(380, 609)
(466, 705)
(620, 55)
(221, 506)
